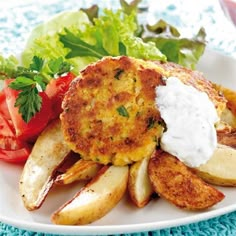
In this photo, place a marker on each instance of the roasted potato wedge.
(139, 185)
(227, 138)
(221, 168)
(230, 95)
(96, 199)
(229, 113)
(223, 127)
(39, 171)
(228, 117)
(81, 170)
(175, 182)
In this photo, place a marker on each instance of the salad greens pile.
(87, 35)
(8, 67)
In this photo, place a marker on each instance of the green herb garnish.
(33, 80)
(59, 66)
(122, 111)
(151, 122)
(118, 73)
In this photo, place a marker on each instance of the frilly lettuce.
(8, 67)
(184, 51)
(112, 34)
(87, 35)
(44, 39)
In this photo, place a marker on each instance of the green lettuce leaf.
(8, 66)
(44, 39)
(184, 51)
(80, 48)
(87, 35)
(92, 12)
(112, 34)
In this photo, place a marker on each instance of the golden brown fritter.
(178, 184)
(109, 113)
(195, 79)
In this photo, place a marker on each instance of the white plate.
(125, 218)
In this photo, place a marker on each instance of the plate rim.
(116, 229)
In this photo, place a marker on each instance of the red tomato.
(3, 106)
(11, 148)
(56, 90)
(15, 156)
(27, 131)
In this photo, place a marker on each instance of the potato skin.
(81, 170)
(220, 169)
(139, 185)
(227, 138)
(175, 182)
(230, 95)
(95, 199)
(48, 154)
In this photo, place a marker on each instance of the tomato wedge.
(11, 148)
(15, 156)
(56, 90)
(6, 129)
(27, 131)
(3, 106)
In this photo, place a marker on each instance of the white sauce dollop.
(190, 116)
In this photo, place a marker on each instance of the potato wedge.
(175, 182)
(227, 138)
(230, 95)
(39, 171)
(221, 168)
(96, 199)
(228, 117)
(229, 113)
(81, 170)
(223, 127)
(139, 185)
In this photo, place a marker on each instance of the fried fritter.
(109, 113)
(177, 183)
(195, 79)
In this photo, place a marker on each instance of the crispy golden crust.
(227, 138)
(195, 79)
(174, 181)
(110, 114)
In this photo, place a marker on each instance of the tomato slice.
(11, 148)
(27, 131)
(3, 106)
(15, 156)
(6, 128)
(56, 90)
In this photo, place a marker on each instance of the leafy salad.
(54, 54)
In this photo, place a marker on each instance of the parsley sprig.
(33, 80)
(122, 111)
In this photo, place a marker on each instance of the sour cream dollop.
(190, 117)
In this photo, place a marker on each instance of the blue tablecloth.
(224, 225)
(16, 23)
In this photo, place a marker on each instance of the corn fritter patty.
(109, 113)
